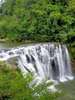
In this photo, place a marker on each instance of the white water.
(1, 2)
(44, 61)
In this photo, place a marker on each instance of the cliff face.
(73, 65)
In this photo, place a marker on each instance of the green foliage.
(42, 20)
(12, 84)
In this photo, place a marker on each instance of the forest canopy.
(38, 20)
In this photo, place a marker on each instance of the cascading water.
(44, 61)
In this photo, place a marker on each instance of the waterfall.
(1, 2)
(44, 61)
